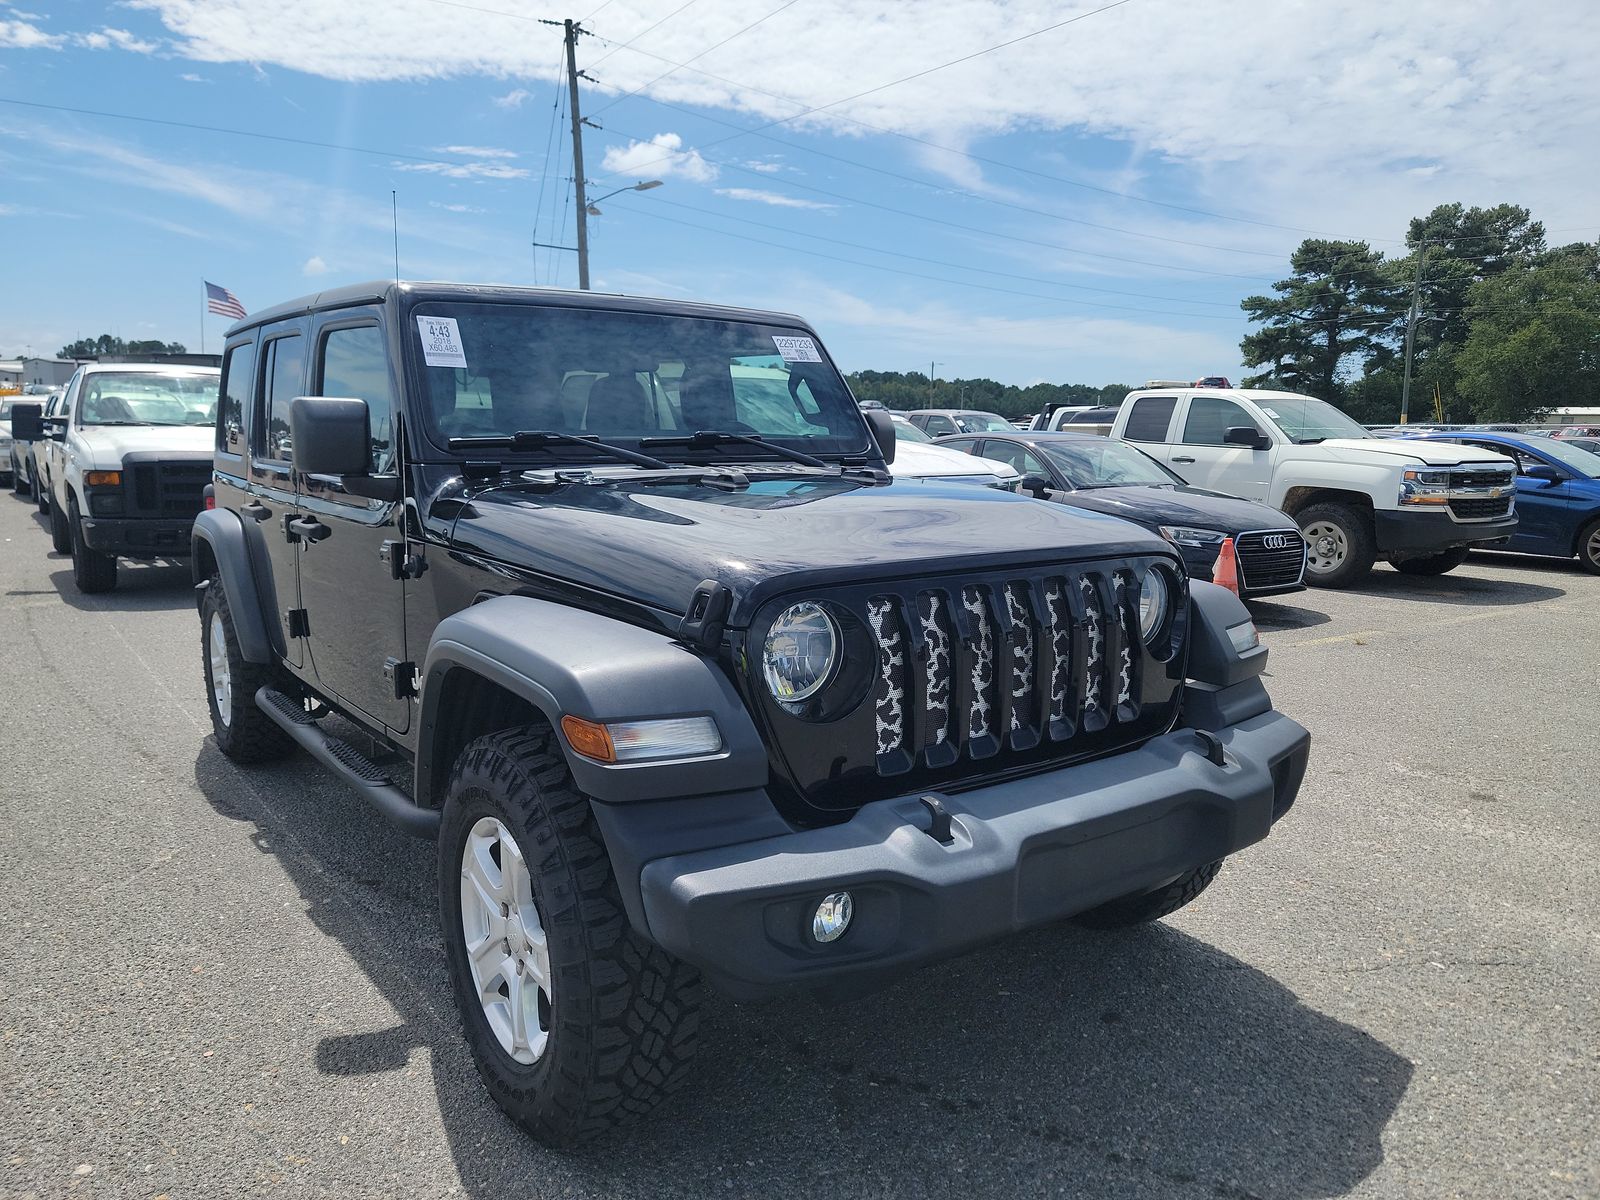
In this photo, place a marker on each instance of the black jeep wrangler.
(634, 621)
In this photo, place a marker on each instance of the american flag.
(223, 302)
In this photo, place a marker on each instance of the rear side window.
(284, 369)
(939, 426)
(237, 371)
(1210, 418)
(1148, 419)
(354, 364)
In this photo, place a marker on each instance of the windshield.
(905, 431)
(1575, 458)
(983, 422)
(1097, 463)
(148, 398)
(493, 370)
(1303, 419)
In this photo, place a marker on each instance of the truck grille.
(1272, 558)
(1477, 508)
(167, 489)
(1480, 477)
(970, 676)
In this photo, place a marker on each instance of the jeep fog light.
(833, 917)
(1244, 636)
(642, 741)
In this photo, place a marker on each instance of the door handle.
(307, 529)
(1185, 458)
(256, 511)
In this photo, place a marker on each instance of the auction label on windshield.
(441, 342)
(797, 349)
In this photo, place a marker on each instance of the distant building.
(10, 376)
(47, 374)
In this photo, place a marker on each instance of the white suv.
(125, 464)
(1357, 498)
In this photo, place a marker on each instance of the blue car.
(1558, 493)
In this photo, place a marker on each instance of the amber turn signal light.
(103, 478)
(589, 738)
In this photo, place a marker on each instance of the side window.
(238, 369)
(280, 383)
(1210, 417)
(355, 364)
(939, 426)
(1019, 458)
(1148, 419)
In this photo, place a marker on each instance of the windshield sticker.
(1270, 413)
(797, 349)
(441, 342)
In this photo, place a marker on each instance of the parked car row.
(636, 621)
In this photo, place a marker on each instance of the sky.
(1073, 192)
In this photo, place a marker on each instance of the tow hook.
(938, 820)
(1213, 745)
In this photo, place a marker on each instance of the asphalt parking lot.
(227, 983)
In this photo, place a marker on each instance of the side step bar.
(349, 764)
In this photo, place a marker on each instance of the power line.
(544, 171)
(641, 33)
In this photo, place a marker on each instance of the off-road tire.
(1434, 564)
(248, 735)
(1143, 907)
(60, 531)
(1588, 547)
(1361, 544)
(624, 1014)
(92, 571)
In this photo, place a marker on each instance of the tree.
(108, 343)
(913, 389)
(1333, 307)
(1534, 337)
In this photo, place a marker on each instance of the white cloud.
(776, 199)
(314, 266)
(765, 166)
(661, 156)
(121, 39)
(20, 35)
(471, 170)
(476, 151)
(512, 99)
(456, 208)
(191, 77)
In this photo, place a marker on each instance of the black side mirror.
(1247, 435)
(331, 436)
(1034, 485)
(1541, 471)
(882, 425)
(27, 423)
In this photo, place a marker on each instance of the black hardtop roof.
(380, 291)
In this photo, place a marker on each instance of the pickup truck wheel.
(41, 494)
(1589, 547)
(60, 533)
(92, 571)
(243, 732)
(574, 1021)
(1433, 564)
(1340, 547)
(1143, 907)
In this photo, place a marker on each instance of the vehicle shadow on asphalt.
(1469, 590)
(141, 587)
(1145, 1063)
(1267, 615)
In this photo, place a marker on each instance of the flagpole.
(202, 316)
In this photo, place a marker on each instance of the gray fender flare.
(568, 661)
(223, 533)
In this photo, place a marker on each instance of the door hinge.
(403, 675)
(299, 623)
(402, 565)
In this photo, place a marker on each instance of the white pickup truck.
(1357, 498)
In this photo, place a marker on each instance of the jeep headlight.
(801, 651)
(1154, 601)
(1424, 485)
(1183, 535)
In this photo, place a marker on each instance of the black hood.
(655, 542)
(1194, 507)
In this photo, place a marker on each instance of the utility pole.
(931, 367)
(573, 30)
(1411, 329)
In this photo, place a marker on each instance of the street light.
(593, 208)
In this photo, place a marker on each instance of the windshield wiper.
(715, 437)
(543, 439)
(93, 423)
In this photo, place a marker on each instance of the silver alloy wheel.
(507, 951)
(1592, 550)
(221, 676)
(1327, 546)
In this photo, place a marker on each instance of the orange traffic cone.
(1226, 571)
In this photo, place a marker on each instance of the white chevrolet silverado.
(125, 461)
(1357, 498)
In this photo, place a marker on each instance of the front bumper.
(1199, 562)
(1409, 534)
(132, 537)
(1023, 853)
